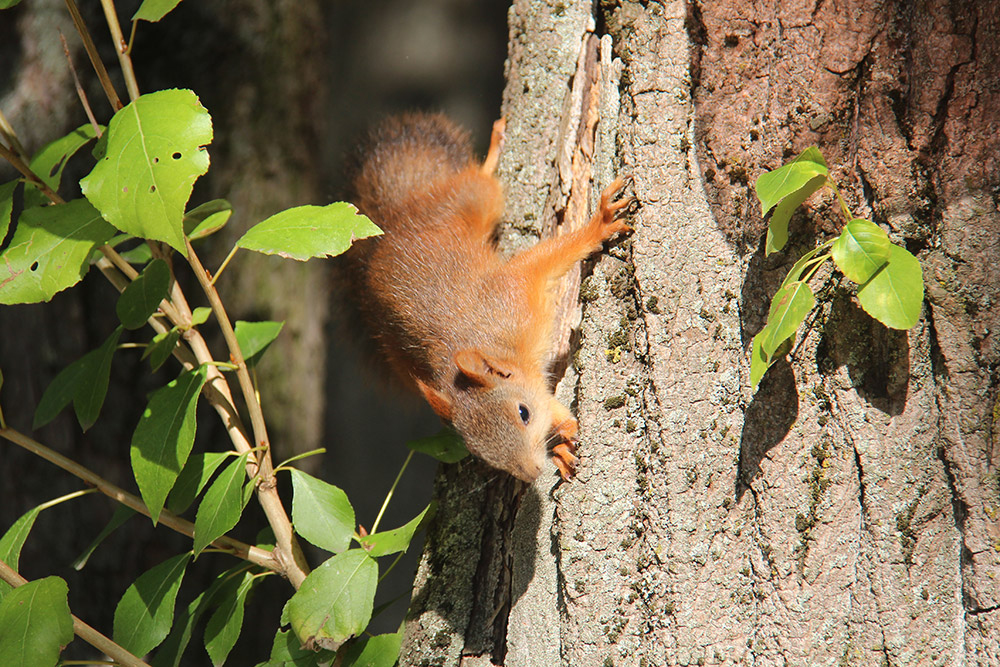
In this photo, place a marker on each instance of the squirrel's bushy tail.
(403, 155)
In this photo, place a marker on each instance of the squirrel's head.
(503, 414)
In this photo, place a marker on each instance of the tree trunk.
(846, 513)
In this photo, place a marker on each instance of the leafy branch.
(889, 278)
(146, 162)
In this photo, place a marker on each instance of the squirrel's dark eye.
(522, 410)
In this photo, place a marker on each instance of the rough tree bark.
(847, 512)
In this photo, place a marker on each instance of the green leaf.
(224, 625)
(172, 650)
(759, 362)
(139, 255)
(335, 600)
(84, 383)
(161, 347)
(287, 651)
(255, 337)
(121, 515)
(141, 298)
(860, 250)
(146, 611)
(789, 306)
(155, 154)
(154, 10)
(447, 446)
(773, 186)
(777, 226)
(393, 541)
(13, 541)
(164, 436)
(895, 294)
(6, 207)
(49, 251)
(49, 162)
(7, 4)
(377, 651)
(321, 512)
(207, 219)
(200, 315)
(197, 471)
(92, 386)
(35, 623)
(222, 505)
(309, 231)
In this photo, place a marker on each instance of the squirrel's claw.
(607, 216)
(563, 457)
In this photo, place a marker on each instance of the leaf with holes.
(895, 294)
(35, 623)
(155, 153)
(860, 250)
(146, 611)
(49, 162)
(309, 231)
(49, 251)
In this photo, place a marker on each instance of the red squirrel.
(455, 320)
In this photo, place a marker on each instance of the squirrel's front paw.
(564, 458)
(606, 219)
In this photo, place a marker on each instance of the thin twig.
(81, 629)
(239, 549)
(121, 48)
(10, 136)
(267, 493)
(80, 92)
(95, 58)
(22, 167)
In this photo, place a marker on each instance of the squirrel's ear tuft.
(438, 401)
(480, 368)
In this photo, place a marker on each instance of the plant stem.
(22, 167)
(8, 134)
(80, 92)
(95, 58)
(225, 262)
(239, 549)
(846, 212)
(288, 549)
(81, 629)
(121, 47)
(313, 452)
(392, 490)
